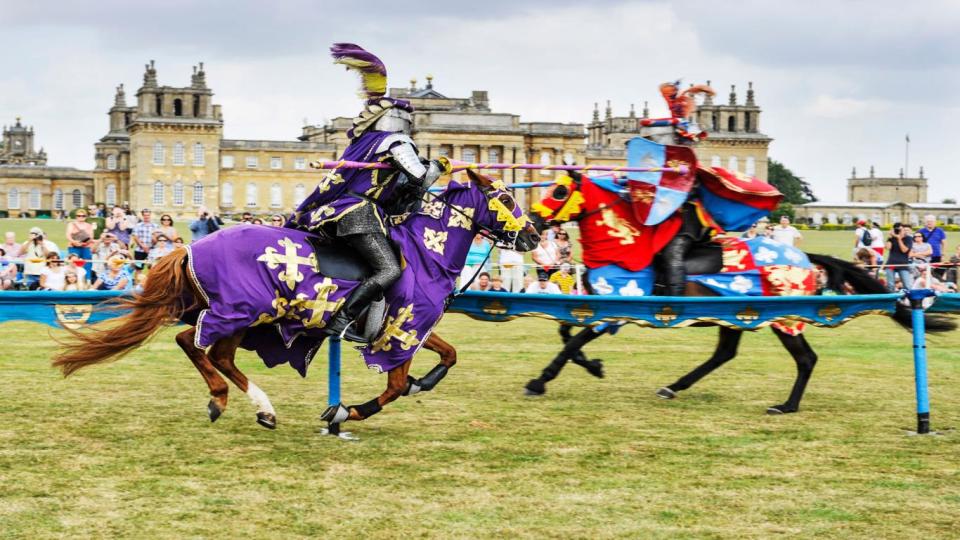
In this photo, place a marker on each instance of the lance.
(462, 166)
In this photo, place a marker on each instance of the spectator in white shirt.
(543, 285)
(53, 277)
(512, 270)
(34, 253)
(786, 233)
(547, 256)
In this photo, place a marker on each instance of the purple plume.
(372, 71)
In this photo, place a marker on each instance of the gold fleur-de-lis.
(461, 217)
(289, 259)
(320, 305)
(329, 180)
(321, 213)
(393, 330)
(434, 240)
(281, 308)
(433, 209)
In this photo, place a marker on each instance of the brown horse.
(173, 293)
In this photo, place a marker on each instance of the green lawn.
(125, 450)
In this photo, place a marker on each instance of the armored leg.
(674, 272)
(375, 248)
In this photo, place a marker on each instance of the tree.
(949, 200)
(795, 190)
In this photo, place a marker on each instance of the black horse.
(840, 275)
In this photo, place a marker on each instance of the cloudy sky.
(840, 82)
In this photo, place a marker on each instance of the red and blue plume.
(373, 74)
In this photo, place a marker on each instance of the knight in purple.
(353, 205)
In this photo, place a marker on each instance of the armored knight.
(353, 204)
(678, 130)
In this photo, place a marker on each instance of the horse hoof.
(535, 387)
(595, 368)
(780, 409)
(213, 411)
(666, 393)
(335, 414)
(267, 420)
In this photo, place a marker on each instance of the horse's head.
(562, 202)
(504, 220)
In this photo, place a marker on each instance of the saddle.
(704, 258)
(337, 260)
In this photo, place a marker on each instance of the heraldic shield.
(655, 196)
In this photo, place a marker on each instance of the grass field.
(126, 450)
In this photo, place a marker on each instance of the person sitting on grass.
(564, 279)
(161, 247)
(496, 285)
(543, 285)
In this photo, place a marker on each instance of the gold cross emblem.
(434, 240)
(393, 331)
(281, 307)
(433, 209)
(289, 259)
(461, 217)
(321, 213)
(329, 180)
(319, 305)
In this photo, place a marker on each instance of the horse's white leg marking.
(259, 398)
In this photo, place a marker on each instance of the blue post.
(333, 380)
(920, 357)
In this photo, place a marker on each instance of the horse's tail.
(840, 272)
(163, 300)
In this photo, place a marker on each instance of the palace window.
(34, 199)
(545, 160)
(178, 107)
(715, 161)
(198, 157)
(158, 193)
(732, 163)
(178, 194)
(226, 194)
(276, 163)
(731, 123)
(751, 167)
(112, 161)
(77, 198)
(178, 154)
(227, 162)
(469, 154)
(251, 162)
(300, 163)
(158, 154)
(196, 106)
(276, 196)
(13, 199)
(251, 194)
(111, 195)
(58, 199)
(493, 155)
(197, 193)
(299, 193)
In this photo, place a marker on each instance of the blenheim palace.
(167, 152)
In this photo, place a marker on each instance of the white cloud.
(831, 107)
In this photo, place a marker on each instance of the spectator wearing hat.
(103, 250)
(862, 236)
(564, 279)
(34, 252)
(8, 271)
(143, 234)
(80, 236)
(543, 285)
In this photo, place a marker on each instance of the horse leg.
(448, 358)
(806, 359)
(726, 351)
(396, 384)
(571, 347)
(593, 367)
(218, 387)
(223, 355)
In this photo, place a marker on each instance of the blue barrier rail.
(75, 309)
